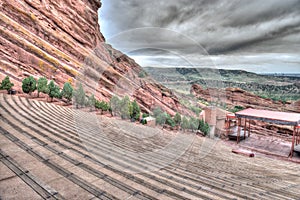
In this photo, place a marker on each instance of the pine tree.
(157, 111)
(185, 123)
(6, 84)
(204, 127)
(161, 118)
(177, 119)
(91, 102)
(193, 123)
(103, 106)
(29, 85)
(53, 90)
(136, 111)
(115, 103)
(67, 92)
(170, 121)
(42, 86)
(79, 96)
(125, 108)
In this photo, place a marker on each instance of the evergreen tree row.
(30, 85)
(184, 122)
(125, 108)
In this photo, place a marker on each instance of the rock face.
(61, 40)
(236, 96)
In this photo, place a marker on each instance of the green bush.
(6, 84)
(170, 121)
(29, 85)
(157, 111)
(136, 111)
(177, 119)
(236, 109)
(125, 108)
(67, 91)
(144, 115)
(103, 106)
(42, 86)
(53, 90)
(204, 127)
(161, 118)
(196, 110)
(115, 104)
(91, 101)
(194, 123)
(143, 121)
(79, 96)
(185, 123)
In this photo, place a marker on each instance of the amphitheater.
(53, 152)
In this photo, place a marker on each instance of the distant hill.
(283, 87)
(294, 75)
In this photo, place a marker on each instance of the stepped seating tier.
(57, 148)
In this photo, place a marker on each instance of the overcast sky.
(255, 35)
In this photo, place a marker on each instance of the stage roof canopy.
(283, 118)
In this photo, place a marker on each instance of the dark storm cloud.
(222, 27)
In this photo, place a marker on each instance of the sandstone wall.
(61, 40)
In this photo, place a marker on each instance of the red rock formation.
(61, 40)
(236, 96)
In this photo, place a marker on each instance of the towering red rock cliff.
(61, 40)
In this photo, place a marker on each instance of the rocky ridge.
(61, 40)
(238, 97)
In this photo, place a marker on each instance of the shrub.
(196, 110)
(115, 103)
(42, 86)
(67, 92)
(142, 74)
(170, 121)
(177, 119)
(91, 101)
(6, 84)
(143, 121)
(136, 111)
(237, 109)
(102, 105)
(185, 123)
(54, 90)
(194, 123)
(29, 85)
(79, 96)
(125, 108)
(161, 118)
(144, 115)
(204, 127)
(157, 111)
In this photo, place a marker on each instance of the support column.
(245, 128)
(227, 125)
(239, 130)
(293, 143)
(297, 135)
(249, 127)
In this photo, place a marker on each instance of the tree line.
(186, 123)
(122, 107)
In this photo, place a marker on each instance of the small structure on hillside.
(151, 121)
(210, 115)
(215, 117)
